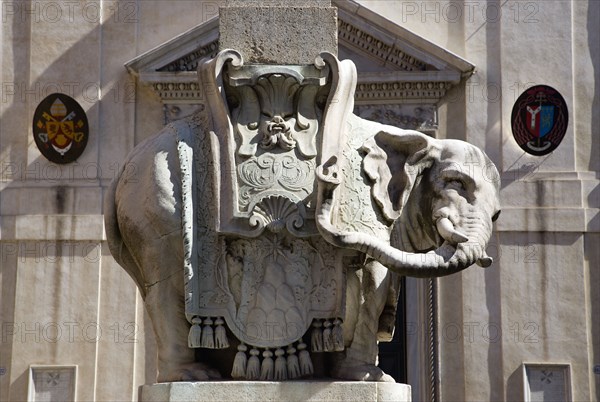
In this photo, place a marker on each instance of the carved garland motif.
(410, 117)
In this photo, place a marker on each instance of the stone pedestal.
(275, 391)
(285, 32)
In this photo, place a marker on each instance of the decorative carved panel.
(52, 383)
(546, 382)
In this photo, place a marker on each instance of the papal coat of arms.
(539, 120)
(60, 128)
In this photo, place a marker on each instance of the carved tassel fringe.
(221, 341)
(253, 369)
(293, 368)
(208, 340)
(316, 337)
(327, 340)
(280, 365)
(266, 369)
(296, 364)
(306, 366)
(337, 335)
(239, 363)
(195, 335)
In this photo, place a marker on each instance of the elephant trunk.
(445, 260)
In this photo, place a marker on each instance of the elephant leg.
(387, 320)
(368, 290)
(165, 305)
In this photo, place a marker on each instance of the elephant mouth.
(446, 232)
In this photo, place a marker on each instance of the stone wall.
(66, 302)
(64, 299)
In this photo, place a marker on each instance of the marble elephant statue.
(425, 206)
(275, 209)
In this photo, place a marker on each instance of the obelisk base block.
(275, 391)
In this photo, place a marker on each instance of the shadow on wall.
(58, 184)
(592, 253)
(492, 279)
(594, 47)
(514, 385)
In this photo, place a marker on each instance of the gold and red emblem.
(60, 128)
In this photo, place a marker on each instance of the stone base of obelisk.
(275, 391)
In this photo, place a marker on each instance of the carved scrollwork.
(272, 172)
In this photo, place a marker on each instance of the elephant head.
(441, 196)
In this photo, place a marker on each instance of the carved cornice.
(408, 68)
(191, 43)
(408, 116)
(367, 93)
(404, 43)
(179, 92)
(400, 92)
(356, 38)
(348, 34)
(189, 62)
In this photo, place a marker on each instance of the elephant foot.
(189, 372)
(358, 371)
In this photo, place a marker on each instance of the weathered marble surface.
(276, 391)
(290, 34)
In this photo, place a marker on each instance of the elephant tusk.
(485, 261)
(448, 232)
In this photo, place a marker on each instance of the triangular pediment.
(395, 66)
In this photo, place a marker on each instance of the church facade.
(73, 324)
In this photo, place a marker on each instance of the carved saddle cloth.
(267, 286)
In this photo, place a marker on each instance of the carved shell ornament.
(276, 213)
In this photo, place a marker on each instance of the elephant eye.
(455, 184)
(455, 180)
(496, 216)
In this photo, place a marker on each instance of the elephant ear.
(394, 161)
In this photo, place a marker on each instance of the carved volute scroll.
(269, 124)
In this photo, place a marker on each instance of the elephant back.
(142, 208)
